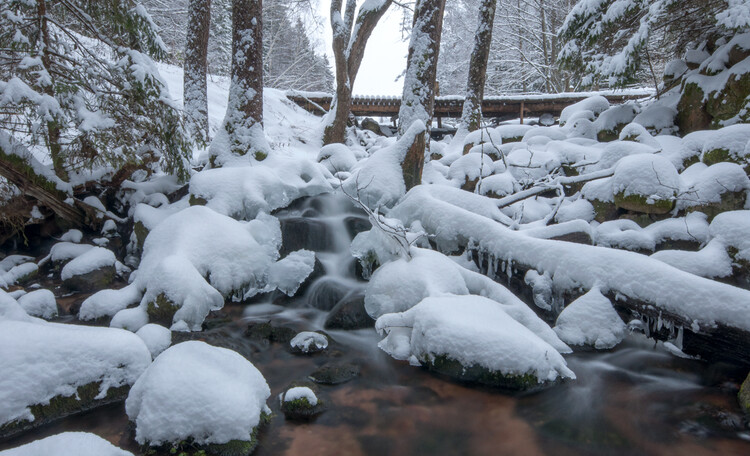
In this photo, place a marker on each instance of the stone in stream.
(266, 331)
(356, 224)
(308, 343)
(304, 233)
(335, 373)
(300, 403)
(349, 313)
(93, 270)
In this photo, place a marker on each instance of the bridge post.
(522, 103)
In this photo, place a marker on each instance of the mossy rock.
(141, 232)
(97, 279)
(512, 139)
(730, 201)
(62, 406)
(610, 135)
(719, 155)
(470, 185)
(197, 200)
(691, 110)
(640, 203)
(232, 448)
(335, 373)
(162, 310)
(744, 396)
(728, 102)
(266, 331)
(604, 211)
(444, 365)
(570, 171)
(301, 409)
(434, 156)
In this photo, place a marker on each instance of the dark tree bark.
(53, 127)
(243, 123)
(472, 112)
(196, 53)
(349, 41)
(418, 100)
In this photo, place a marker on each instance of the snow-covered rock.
(68, 444)
(309, 342)
(590, 320)
(471, 338)
(645, 183)
(92, 270)
(196, 391)
(42, 361)
(156, 337)
(39, 303)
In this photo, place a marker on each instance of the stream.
(634, 399)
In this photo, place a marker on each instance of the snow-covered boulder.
(308, 342)
(590, 320)
(732, 229)
(645, 183)
(92, 270)
(471, 338)
(728, 144)
(596, 105)
(156, 337)
(467, 170)
(197, 394)
(714, 189)
(68, 444)
(337, 158)
(39, 303)
(610, 123)
(51, 370)
(16, 269)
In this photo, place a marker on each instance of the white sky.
(385, 54)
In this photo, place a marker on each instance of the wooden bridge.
(497, 107)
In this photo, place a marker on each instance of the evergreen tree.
(76, 79)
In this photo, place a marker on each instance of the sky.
(385, 54)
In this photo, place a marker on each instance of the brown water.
(636, 399)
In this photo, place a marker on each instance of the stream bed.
(635, 399)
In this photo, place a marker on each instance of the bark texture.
(196, 55)
(349, 40)
(472, 112)
(418, 100)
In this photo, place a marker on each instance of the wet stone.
(335, 373)
(349, 313)
(303, 233)
(325, 293)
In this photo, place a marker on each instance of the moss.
(141, 232)
(91, 281)
(301, 409)
(259, 155)
(640, 203)
(475, 373)
(714, 156)
(435, 156)
(62, 406)
(23, 167)
(744, 396)
(691, 110)
(728, 102)
(162, 311)
(232, 448)
(197, 200)
(604, 211)
(730, 201)
(512, 139)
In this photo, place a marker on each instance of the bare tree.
(349, 41)
(471, 117)
(242, 130)
(196, 53)
(418, 100)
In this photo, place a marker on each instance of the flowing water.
(635, 399)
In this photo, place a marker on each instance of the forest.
(222, 234)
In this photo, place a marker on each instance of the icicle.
(678, 339)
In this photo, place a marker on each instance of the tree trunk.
(196, 53)
(472, 112)
(243, 123)
(349, 41)
(418, 100)
(53, 127)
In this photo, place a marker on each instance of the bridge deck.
(503, 107)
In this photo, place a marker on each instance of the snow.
(706, 185)
(733, 139)
(732, 228)
(72, 236)
(652, 176)
(579, 209)
(15, 267)
(590, 320)
(301, 392)
(306, 340)
(93, 259)
(64, 251)
(244, 191)
(156, 337)
(574, 266)
(337, 158)
(595, 104)
(39, 303)
(616, 116)
(68, 444)
(287, 274)
(194, 390)
(378, 180)
(472, 330)
(710, 262)
(43, 360)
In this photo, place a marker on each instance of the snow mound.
(472, 330)
(648, 175)
(301, 392)
(732, 229)
(707, 185)
(596, 105)
(156, 337)
(243, 192)
(65, 251)
(68, 444)
(337, 158)
(14, 268)
(93, 259)
(74, 236)
(711, 262)
(39, 303)
(590, 320)
(44, 360)
(194, 390)
(308, 341)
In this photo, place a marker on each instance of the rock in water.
(195, 394)
(349, 313)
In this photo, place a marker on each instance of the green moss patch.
(161, 311)
(643, 204)
(444, 365)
